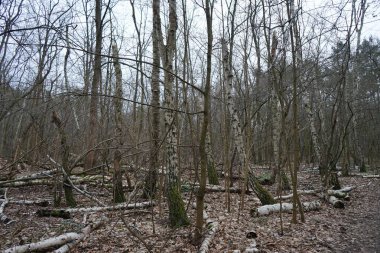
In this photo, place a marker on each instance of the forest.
(189, 126)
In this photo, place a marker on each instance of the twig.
(74, 187)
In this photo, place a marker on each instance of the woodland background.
(172, 93)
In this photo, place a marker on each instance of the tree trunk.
(204, 147)
(96, 80)
(151, 179)
(261, 192)
(211, 169)
(118, 194)
(296, 60)
(70, 200)
(177, 213)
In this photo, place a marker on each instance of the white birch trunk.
(236, 128)
(313, 129)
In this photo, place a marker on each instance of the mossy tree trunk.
(177, 213)
(264, 195)
(211, 169)
(69, 196)
(118, 194)
(261, 192)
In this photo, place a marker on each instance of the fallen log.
(347, 189)
(43, 245)
(42, 181)
(334, 196)
(286, 207)
(57, 241)
(37, 175)
(3, 217)
(212, 228)
(371, 176)
(210, 188)
(337, 203)
(122, 206)
(85, 232)
(10, 184)
(289, 196)
(42, 203)
(364, 175)
(337, 193)
(53, 213)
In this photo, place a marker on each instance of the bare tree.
(177, 213)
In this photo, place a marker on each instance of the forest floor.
(356, 228)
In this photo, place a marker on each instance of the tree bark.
(96, 80)
(151, 179)
(118, 194)
(261, 192)
(286, 207)
(208, 8)
(69, 196)
(177, 213)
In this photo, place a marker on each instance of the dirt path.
(361, 219)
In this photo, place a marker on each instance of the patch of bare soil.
(356, 228)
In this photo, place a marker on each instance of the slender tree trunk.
(211, 169)
(177, 213)
(96, 80)
(206, 117)
(118, 194)
(70, 200)
(356, 82)
(264, 196)
(151, 179)
(296, 60)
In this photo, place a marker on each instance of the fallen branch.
(42, 203)
(45, 244)
(73, 186)
(289, 196)
(4, 218)
(210, 188)
(43, 181)
(371, 176)
(37, 175)
(9, 184)
(85, 232)
(68, 238)
(364, 175)
(286, 207)
(122, 206)
(136, 234)
(53, 213)
(212, 228)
